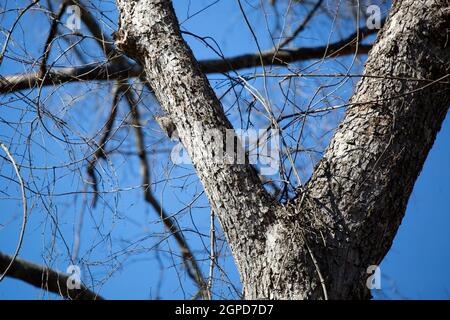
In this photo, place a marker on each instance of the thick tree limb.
(363, 183)
(284, 57)
(357, 197)
(91, 72)
(346, 217)
(45, 278)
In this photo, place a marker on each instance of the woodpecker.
(167, 125)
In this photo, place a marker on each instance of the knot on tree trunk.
(126, 43)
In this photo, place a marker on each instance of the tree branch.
(114, 70)
(45, 278)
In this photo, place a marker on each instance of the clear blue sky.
(417, 266)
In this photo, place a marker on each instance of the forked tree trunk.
(345, 218)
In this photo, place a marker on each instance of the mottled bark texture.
(344, 219)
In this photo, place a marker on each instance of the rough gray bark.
(344, 219)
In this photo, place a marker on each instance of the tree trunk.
(344, 219)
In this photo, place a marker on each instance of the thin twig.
(24, 200)
(100, 152)
(212, 255)
(301, 27)
(8, 37)
(316, 266)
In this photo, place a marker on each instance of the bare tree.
(291, 238)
